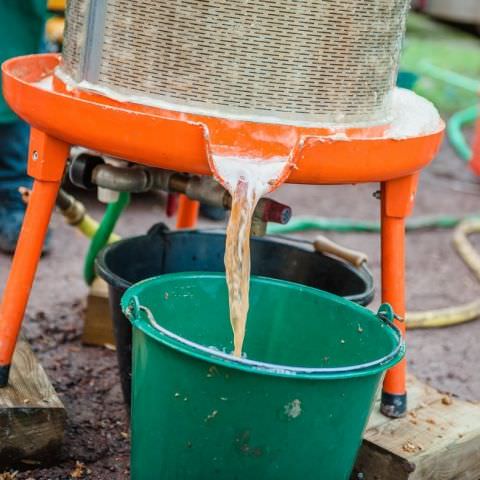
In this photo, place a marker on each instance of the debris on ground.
(79, 471)
(447, 400)
(8, 476)
(411, 447)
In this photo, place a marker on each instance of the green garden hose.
(455, 134)
(345, 225)
(463, 117)
(447, 76)
(100, 239)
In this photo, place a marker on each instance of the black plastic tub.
(163, 251)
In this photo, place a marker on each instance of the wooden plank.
(32, 417)
(419, 394)
(98, 327)
(438, 440)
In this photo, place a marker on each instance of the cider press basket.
(298, 62)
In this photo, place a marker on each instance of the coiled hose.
(464, 226)
(462, 313)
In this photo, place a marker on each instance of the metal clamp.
(386, 313)
(133, 308)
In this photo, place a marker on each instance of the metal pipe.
(64, 200)
(202, 189)
(259, 227)
(72, 210)
(207, 190)
(122, 179)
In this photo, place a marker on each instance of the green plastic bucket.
(294, 408)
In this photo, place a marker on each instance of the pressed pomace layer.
(293, 61)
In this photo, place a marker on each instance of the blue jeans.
(14, 139)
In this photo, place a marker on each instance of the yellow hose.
(88, 226)
(75, 214)
(445, 317)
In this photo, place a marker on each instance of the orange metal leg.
(475, 161)
(397, 203)
(187, 215)
(46, 164)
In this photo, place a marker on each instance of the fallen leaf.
(79, 470)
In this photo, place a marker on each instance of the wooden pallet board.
(439, 439)
(98, 327)
(32, 417)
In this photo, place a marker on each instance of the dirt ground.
(86, 377)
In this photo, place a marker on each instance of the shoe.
(12, 211)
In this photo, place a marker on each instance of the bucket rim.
(134, 311)
(104, 270)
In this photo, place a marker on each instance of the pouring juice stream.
(247, 181)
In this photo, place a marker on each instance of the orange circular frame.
(184, 142)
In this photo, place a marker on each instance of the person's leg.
(14, 139)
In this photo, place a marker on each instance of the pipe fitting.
(81, 167)
(259, 227)
(208, 191)
(72, 210)
(122, 179)
(203, 189)
(162, 178)
(269, 210)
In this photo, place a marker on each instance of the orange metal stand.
(61, 117)
(187, 214)
(475, 161)
(397, 198)
(47, 159)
